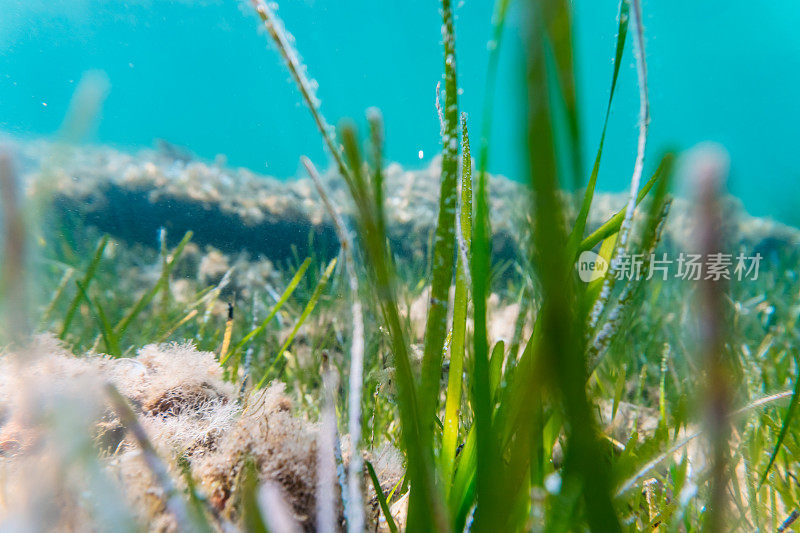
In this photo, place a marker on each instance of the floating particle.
(552, 483)
(420, 154)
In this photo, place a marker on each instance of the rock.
(131, 196)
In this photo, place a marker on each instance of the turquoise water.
(198, 74)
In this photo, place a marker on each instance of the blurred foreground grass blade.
(460, 310)
(496, 367)
(287, 293)
(713, 317)
(91, 270)
(469, 469)
(376, 484)
(580, 223)
(560, 48)
(561, 346)
(378, 260)
(514, 419)
(444, 237)
(312, 303)
(13, 272)
(148, 296)
(486, 454)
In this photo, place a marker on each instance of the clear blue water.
(198, 74)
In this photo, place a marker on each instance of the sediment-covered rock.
(132, 195)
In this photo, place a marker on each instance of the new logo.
(591, 266)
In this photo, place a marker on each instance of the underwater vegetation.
(364, 370)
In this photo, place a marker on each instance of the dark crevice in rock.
(130, 215)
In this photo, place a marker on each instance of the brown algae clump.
(57, 424)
